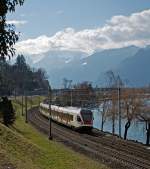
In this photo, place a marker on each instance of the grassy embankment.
(25, 148)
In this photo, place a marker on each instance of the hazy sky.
(84, 25)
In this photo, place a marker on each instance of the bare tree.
(145, 117)
(104, 112)
(69, 84)
(83, 94)
(132, 106)
(65, 82)
(115, 82)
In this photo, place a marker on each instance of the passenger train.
(76, 118)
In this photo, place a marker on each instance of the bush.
(7, 111)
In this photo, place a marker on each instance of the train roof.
(75, 110)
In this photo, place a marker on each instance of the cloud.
(34, 46)
(119, 31)
(17, 22)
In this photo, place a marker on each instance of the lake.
(137, 130)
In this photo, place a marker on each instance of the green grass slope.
(18, 150)
(23, 147)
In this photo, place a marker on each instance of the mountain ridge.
(80, 68)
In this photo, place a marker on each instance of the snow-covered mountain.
(79, 67)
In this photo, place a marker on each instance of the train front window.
(86, 115)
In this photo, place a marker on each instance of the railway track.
(121, 154)
(121, 145)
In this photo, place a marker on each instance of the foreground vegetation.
(23, 147)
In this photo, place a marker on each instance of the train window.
(71, 117)
(86, 115)
(78, 119)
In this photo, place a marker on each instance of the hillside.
(22, 147)
(13, 151)
(136, 69)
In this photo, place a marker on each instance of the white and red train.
(77, 118)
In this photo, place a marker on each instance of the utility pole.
(148, 132)
(119, 110)
(50, 120)
(71, 97)
(22, 105)
(31, 100)
(39, 100)
(26, 109)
